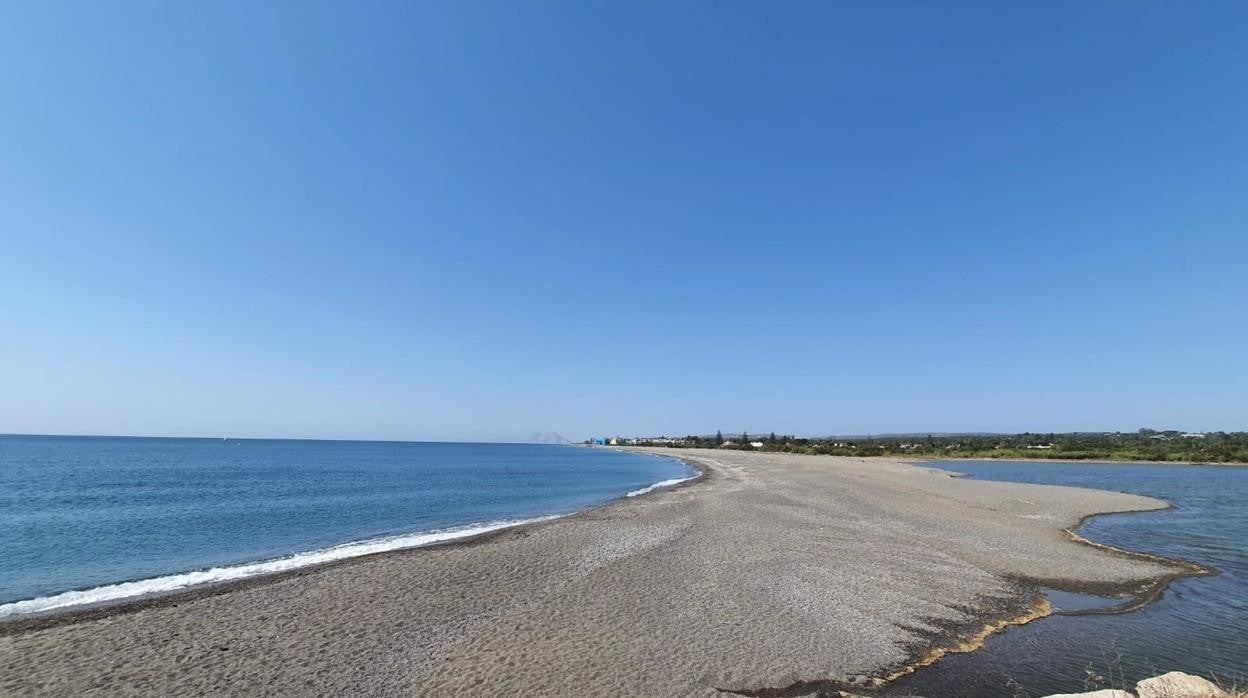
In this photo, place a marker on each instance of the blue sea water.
(89, 519)
(1200, 624)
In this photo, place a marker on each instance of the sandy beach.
(770, 575)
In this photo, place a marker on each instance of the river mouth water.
(1198, 624)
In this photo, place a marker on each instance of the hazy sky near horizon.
(482, 220)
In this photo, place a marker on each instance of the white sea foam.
(175, 582)
(214, 575)
(658, 486)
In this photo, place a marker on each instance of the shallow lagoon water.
(1199, 625)
(1073, 602)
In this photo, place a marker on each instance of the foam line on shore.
(661, 484)
(214, 575)
(122, 591)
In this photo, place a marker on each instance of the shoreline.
(932, 624)
(1150, 591)
(35, 620)
(1194, 569)
(974, 634)
(971, 636)
(1140, 596)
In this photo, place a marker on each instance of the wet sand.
(772, 573)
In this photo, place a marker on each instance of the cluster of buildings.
(637, 441)
(658, 441)
(1166, 436)
(733, 444)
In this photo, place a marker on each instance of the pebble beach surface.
(770, 572)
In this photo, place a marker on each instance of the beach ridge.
(768, 570)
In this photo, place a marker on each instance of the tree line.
(1142, 445)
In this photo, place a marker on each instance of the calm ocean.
(1200, 624)
(90, 519)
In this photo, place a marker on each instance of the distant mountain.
(548, 437)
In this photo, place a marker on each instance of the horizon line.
(566, 441)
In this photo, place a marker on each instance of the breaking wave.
(661, 485)
(213, 575)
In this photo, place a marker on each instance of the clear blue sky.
(479, 220)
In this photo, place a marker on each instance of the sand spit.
(769, 574)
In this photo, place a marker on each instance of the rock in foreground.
(1175, 684)
(1103, 693)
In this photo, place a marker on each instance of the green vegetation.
(1145, 444)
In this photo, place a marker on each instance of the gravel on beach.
(770, 571)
